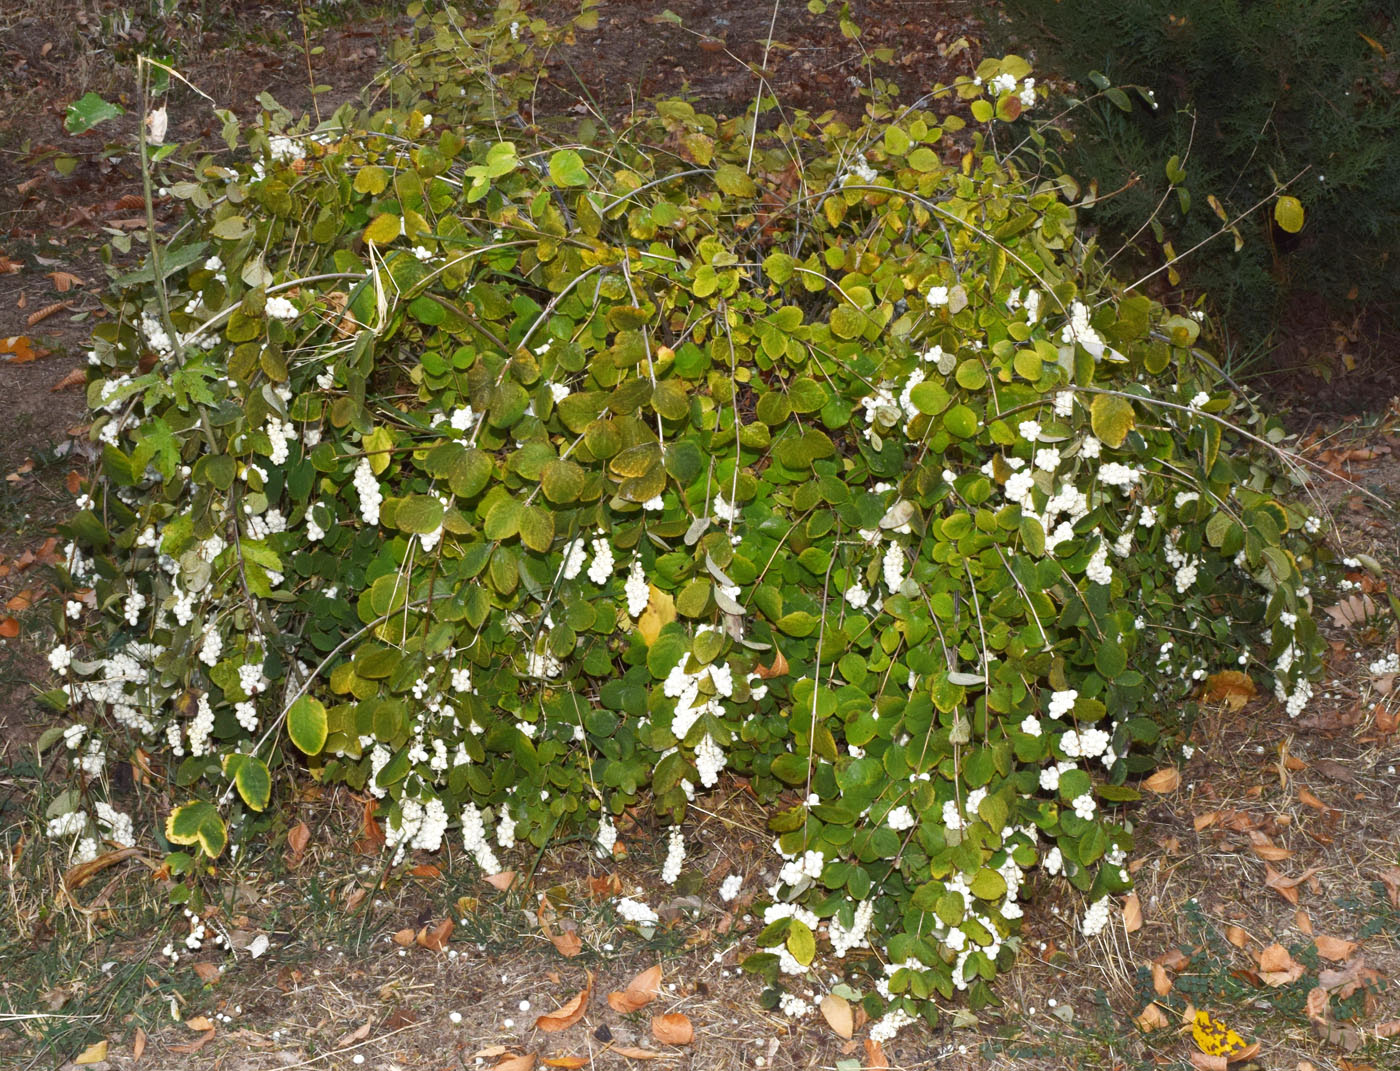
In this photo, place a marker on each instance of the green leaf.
(694, 598)
(85, 113)
(562, 481)
(961, 421)
(306, 725)
(987, 884)
(231, 228)
(420, 514)
(254, 782)
(537, 528)
(502, 519)
(732, 180)
(197, 823)
(1288, 214)
(1112, 418)
(566, 168)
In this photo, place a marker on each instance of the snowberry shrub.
(515, 483)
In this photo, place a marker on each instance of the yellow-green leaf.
(372, 180)
(1288, 214)
(254, 782)
(306, 724)
(1112, 418)
(384, 228)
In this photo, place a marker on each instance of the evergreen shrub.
(1250, 102)
(516, 479)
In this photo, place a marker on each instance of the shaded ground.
(1311, 800)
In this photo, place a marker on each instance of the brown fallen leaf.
(567, 1061)
(64, 281)
(567, 944)
(570, 1013)
(1389, 1029)
(779, 668)
(199, 1022)
(836, 1010)
(1306, 797)
(1205, 821)
(298, 837)
(1161, 984)
(436, 939)
(9, 628)
(634, 1053)
(405, 937)
(1285, 886)
(640, 992)
(875, 1056)
(39, 315)
(502, 881)
(19, 349)
(138, 1045)
(1237, 936)
(673, 1028)
(195, 1045)
(1132, 913)
(206, 972)
(351, 1036)
(1277, 967)
(525, 1062)
(1230, 687)
(1203, 1061)
(1151, 1018)
(76, 378)
(1167, 779)
(1334, 948)
(1303, 921)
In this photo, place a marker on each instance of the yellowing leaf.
(1112, 418)
(383, 229)
(1230, 687)
(660, 612)
(1288, 214)
(94, 1053)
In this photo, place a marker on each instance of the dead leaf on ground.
(1353, 610)
(570, 1013)
(875, 1056)
(436, 939)
(1161, 984)
(640, 992)
(1388, 1030)
(94, 1053)
(1230, 687)
(673, 1028)
(634, 1053)
(138, 1045)
(1132, 913)
(567, 943)
(1303, 921)
(502, 881)
(1277, 967)
(403, 938)
(199, 1022)
(298, 837)
(1285, 886)
(1237, 936)
(1334, 948)
(351, 1036)
(1151, 1018)
(76, 378)
(1167, 779)
(525, 1062)
(39, 315)
(9, 628)
(206, 972)
(19, 349)
(836, 1010)
(567, 1061)
(195, 1045)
